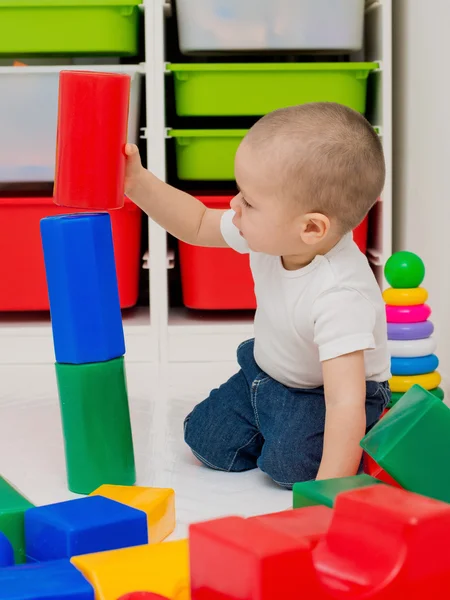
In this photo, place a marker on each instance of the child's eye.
(245, 203)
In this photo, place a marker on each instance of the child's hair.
(333, 159)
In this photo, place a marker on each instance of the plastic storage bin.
(216, 278)
(234, 89)
(69, 27)
(206, 154)
(29, 115)
(249, 25)
(22, 272)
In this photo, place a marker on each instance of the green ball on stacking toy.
(404, 270)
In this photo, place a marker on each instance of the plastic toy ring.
(410, 331)
(414, 365)
(412, 348)
(405, 296)
(407, 314)
(428, 381)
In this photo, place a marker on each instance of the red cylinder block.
(92, 133)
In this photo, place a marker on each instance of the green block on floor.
(412, 444)
(313, 493)
(96, 425)
(12, 509)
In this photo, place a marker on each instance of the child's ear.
(315, 226)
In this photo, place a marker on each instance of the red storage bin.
(23, 286)
(220, 278)
(216, 278)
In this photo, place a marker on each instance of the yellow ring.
(405, 296)
(429, 381)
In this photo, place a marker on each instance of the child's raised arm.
(182, 215)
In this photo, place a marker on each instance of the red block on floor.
(236, 558)
(310, 523)
(374, 469)
(386, 544)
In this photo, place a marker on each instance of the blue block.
(91, 524)
(414, 366)
(6, 551)
(82, 287)
(58, 580)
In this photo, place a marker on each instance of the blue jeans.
(253, 421)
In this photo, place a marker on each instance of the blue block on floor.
(6, 551)
(83, 526)
(82, 288)
(58, 580)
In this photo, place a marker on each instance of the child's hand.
(134, 166)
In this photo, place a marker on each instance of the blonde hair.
(332, 158)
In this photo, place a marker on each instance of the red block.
(236, 558)
(386, 544)
(372, 468)
(91, 138)
(310, 523)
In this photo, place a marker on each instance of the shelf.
(201, 336)
(27, 337)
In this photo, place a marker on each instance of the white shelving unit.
(183, 335)
(163, 334)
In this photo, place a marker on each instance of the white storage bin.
(29, 115)
(252, 25)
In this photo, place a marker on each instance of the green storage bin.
(255, 89)
(69, 27)
(206, 154)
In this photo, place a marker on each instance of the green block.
(12, 509)
(313, 493)
(96, 425)
(395, 396)
(412, 443)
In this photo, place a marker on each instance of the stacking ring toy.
(410, 331)
(414, 366)
(395, 396)
(428, 381)
(407, 314)
(412, 348)
(405, 296)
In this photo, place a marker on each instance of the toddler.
(314, 379)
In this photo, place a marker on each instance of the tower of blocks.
(412, 347)
(82, 283)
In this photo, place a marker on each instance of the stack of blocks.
(61, 539)
(82, 282)
(410, 331)
(89, 347)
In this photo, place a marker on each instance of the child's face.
(267, 220)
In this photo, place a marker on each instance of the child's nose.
(235, 205)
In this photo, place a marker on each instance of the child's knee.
(286, 470)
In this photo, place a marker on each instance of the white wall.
(421, 38)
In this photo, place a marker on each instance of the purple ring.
(410, 331)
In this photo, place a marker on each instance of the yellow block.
(405, 296)
(159, 568)
(429, 381)
(158, 504)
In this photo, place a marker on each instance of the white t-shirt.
(331, 307)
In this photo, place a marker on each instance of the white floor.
(31, 442)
